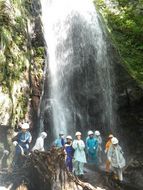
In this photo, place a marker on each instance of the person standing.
(60, 142)
(116, 158)
(79, 155)
(39, 145)
(91, 146)
(99, 148)
(107, 146)
(22, 142)
(69, 153)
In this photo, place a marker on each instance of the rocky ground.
(133, 177)
(98, 178)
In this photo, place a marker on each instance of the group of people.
(77, 151)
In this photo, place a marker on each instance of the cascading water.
(78, 89)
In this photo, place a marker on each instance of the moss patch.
(125, 22)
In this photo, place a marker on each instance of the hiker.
(88, 135)
(60, 142)
(39, 145)
(99, 148)
(116, 158)
(22, 142)
(91, 146)
(107, 146)
(79, 155)
(69, 153)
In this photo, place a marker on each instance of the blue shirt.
(69, 150)
(60, 142)
(24, 138)
(91, 144)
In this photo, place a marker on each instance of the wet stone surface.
(98, 177)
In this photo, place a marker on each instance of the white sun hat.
(110, 136)
(25, 126)
(43, 134)
(114, 140)
(97, 133)
(78, 133)
(90, 133)
(69, 137)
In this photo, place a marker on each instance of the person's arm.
(30, 138)
(95, 144)
(109, 154)
(100, 140)
(55, 142)
(62, 142)
(87, 144)
(121, 151)
(72, 151)
(75, 146)
(106, 147)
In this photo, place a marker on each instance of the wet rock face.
(80, 80)
(134, 172)
(83, 94)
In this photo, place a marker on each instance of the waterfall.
(79, 79)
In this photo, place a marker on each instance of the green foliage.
(13, 46)
(21, 110)
(126, 25)
(21, 60)
(13, 52)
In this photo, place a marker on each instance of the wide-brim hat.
(90, 133)
(110, 136)
(25, 126)
(78, 133)
(69, 137)
(43, 134)
(114, 140)
(97, 133)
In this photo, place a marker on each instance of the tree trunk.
(47, 170)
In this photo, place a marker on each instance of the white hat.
(61, 133)
(43, 134)
(110, 136)
(114, 140)
(97, 133)
(25, 126)
(90, 133)
(78, 133)
(69, 137)
(6, 152)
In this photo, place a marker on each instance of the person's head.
(90, 134)
(114, 141)
(97, 133)
(24, 127)
(61, 134)
(43, 135)
(110, 137)
(69, 139)
(78, 135)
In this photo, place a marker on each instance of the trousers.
(118, 172)
(69, 163)
(78, 168)
(107, 166)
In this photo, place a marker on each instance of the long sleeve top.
(115, 155)
(79, 153)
